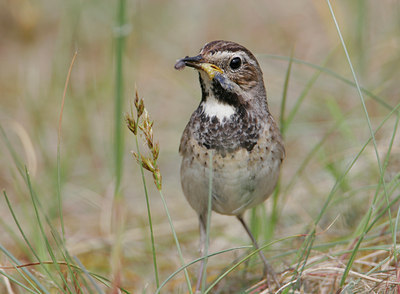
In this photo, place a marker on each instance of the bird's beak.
(198, 62)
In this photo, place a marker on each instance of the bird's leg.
(203, 240)
(268, 270)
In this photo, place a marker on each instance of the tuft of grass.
(61, 273)
(146, 162)
(144, 125)
(381, 180)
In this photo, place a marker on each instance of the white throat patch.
(212, 107)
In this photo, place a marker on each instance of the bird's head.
(229, 73)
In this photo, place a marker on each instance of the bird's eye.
(235, 63)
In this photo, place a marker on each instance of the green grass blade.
(284, 95)
(333, 74)
(35, 202)
(300, 100)
(340, 117)
(177, 244)
(18, 282)
(247, 257)
(309, 242)
(361, 26)
(270, 226)
(381, 181)
(158, 185)
(275, 212)
(183, 267)
(59, 198)
(27, 242)
(26, 178)
(25, 274)
(120, 33)
(14, 155)
(146, 194)
(385, 164)
(67, 258)
(119, 94)
(16, 239)
(87, 274)
(358, 88)
(395, 235)
(208, 224)
(307, 159)
(303, 94)
(382, 213)
(361, 238)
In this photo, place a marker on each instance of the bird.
(234, 126)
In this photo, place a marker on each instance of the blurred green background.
(37, 42)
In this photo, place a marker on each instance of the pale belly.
(239, 182)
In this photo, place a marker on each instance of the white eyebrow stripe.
(247, 58)
(222, 55)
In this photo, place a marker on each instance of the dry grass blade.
(143, 124)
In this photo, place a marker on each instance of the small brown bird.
(234, 125)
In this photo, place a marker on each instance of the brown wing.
(184, 140)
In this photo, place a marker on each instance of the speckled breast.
(245, 163)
